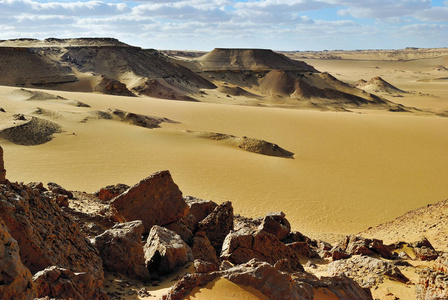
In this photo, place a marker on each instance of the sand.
(350, 171)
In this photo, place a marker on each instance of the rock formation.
(2, 167)
(148, 200)
(121, 249)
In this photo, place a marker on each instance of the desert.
(332, 163)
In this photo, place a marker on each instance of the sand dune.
(378, 85)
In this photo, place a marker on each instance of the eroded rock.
(203, 250)
(2, 167)
(275, 223)
(148, 201)
(111, 191)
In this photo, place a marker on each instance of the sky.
(203, 25)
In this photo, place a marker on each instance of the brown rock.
(441, 263)
(200, 208)
(45, 235)
(2, 167)
(203, 250)
(149, 201)
(111, 191)
(240, 247)
(187, 283)
(60, 283)
(275, 223)
(353, 245)
(165, 251)
(218, 224)
(184, 227)
(202, 266)
(424, 250)
(16, 281)
(57, 189)
(121, 249)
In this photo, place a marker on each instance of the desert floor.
(350, 170)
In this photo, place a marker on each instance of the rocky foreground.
(53, 246)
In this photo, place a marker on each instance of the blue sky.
(204, 25)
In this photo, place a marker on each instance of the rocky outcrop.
(432, 285)
(275, 223)
(16, 281)
(47, 237)
(2, 167)
(60, 283)
(184, 227)
(138, 119)
(240, 247)
(273, 283)
(148, 201)
(165, 251)
(353, 245)
(111, 191)
(121, 249)
(367, 271)
(203, 250)
(111, 86)
(218, 224)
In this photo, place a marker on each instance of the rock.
(273, 283)
(353, 245)
(121, 249)
(200, 208)
(60, 283)
(2, 167)
(46, 236)
(57, 189)
(432, 285)
(218, 224)
(203, 250)
(367, 271)
(111, 191)
(184, 227)
(275, 223)
(441, 263)
(165, 251)
(202, 266)
(424, 250)
(240, 247)
(148, 201)
(16, 281)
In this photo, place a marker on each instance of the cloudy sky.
(204, 25)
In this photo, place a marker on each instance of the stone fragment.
(203, 250)
(200, 208)
(165, 251)
(111, 191)
(156, 200)
(424, 250)
(121, 249)
(275, 223)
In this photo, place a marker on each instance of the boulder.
(367, 271)
(275, 223)
(218, 224)
(148, 201)
(59, 190)
(46, 236)
(165, 251)
(16, 281)
(202, 266)
(2, 167)
(200, 208)
(354, 245)
(203, 250)
(111, 191)
(424, 250)
(121, 249)
(240, 247)
(60, 283)
(273, 283)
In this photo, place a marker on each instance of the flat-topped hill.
(223, 59)
(55, 42)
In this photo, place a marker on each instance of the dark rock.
(424, 250)
(218, 224)
(203, 250)
(2, 167)
(121, 249)
(202, 266)
(57, 189)
(16, 281)
(165, 251)
(184, 227)
(148, 201)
